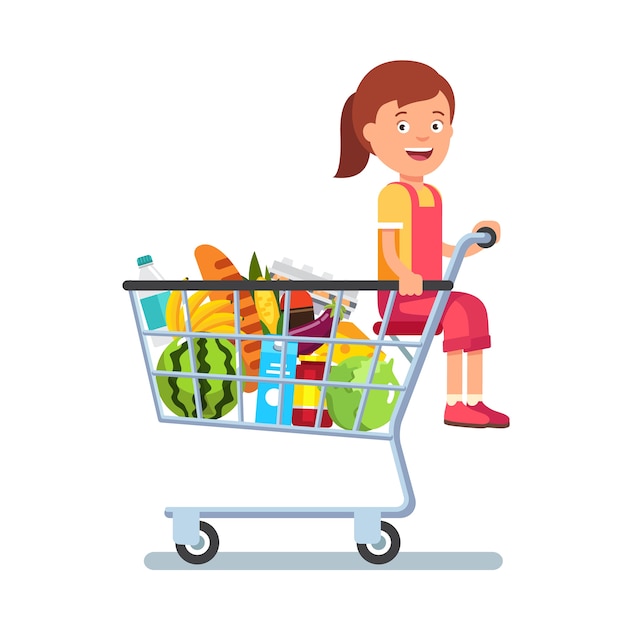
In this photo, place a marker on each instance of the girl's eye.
(403, 127)
(436, 126)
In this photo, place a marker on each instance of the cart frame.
(189, 531)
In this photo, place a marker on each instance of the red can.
(306, 398)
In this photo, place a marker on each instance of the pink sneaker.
(460, 414)
(496, 420)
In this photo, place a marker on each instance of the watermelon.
(212, 356)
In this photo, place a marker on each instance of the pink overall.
(464, 321)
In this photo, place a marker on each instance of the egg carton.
(286, 270)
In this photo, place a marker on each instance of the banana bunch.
(206, 316)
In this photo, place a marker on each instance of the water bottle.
(153, 303)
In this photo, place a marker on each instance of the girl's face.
(412, 140)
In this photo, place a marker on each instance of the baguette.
(215, 265)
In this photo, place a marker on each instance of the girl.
(402, 112)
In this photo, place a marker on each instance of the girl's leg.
(458, 413)
(455, 376)
(465, 328)
(474, 377)
(475, 391)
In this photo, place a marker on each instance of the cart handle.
(273, 285)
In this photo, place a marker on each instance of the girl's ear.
(368, 131)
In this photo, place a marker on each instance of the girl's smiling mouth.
(419, 154)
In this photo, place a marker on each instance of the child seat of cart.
(398, 328)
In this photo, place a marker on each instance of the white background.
(132, 128)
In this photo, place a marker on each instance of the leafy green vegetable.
(255, 269)
(343, 402)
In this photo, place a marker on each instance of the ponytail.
(353, 156)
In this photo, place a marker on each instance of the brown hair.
(404, 81)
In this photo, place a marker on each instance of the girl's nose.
(422, 138)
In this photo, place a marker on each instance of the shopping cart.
(377, 540)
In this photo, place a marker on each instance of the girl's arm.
(447, 249)
(410, 284)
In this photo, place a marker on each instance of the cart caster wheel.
(204, 550)
(385, 550)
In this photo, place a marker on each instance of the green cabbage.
(343, 402)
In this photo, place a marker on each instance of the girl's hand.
(411, 284)
(475, 248)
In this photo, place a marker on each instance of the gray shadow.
(327, 561)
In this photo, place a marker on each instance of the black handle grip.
(438, 285)
(489, 231)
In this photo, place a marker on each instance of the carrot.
(215, 265)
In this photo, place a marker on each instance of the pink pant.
(464, 321)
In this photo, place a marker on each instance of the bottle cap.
(144, 260)
(299, 300)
